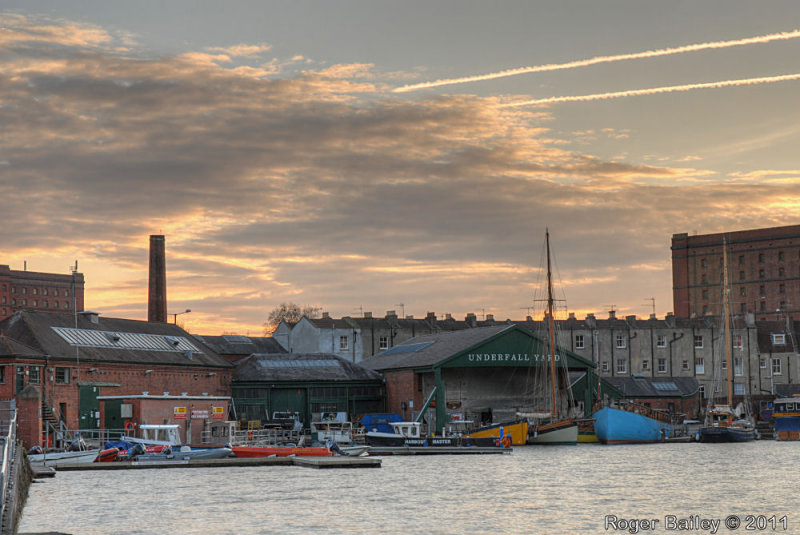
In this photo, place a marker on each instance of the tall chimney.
(157, 296)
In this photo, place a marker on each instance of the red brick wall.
(39, 290)
(29, 420)
(401, 387)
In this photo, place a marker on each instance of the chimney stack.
(157, 296)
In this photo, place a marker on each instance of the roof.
(428, 350)
(11, 348)
(786, 391)
(764, 332)
(293, 367)
(241, 345)
(108, 340)
(655, 387)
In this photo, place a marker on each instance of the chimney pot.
(367, 314)
(325, 315)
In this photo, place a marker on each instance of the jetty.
(306, 462)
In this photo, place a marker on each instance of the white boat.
(339, 432)
(354, 451)
(63, 457)
(185, 453)
(156, 435)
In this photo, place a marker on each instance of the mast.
(550, 324)
(726, 319)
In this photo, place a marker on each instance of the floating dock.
(307, 462)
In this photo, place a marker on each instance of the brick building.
(40, 292)
(763, 272)
(66, 364)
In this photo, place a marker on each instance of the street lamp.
(175, 315)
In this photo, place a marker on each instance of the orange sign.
(218, 413)
(179, 413)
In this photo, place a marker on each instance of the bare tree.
(291, 313)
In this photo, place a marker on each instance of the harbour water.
(554, 489)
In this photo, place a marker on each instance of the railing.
(8, 436)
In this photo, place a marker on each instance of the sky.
(376, 155)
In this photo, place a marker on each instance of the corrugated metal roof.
(125, 340)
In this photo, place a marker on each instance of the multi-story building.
(39, 292)
(763, 273)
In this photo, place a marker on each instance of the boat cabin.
(340, 432)
(407, 429)
(153, 434)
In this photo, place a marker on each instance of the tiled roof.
(241, 345)
(655, 387)
(48, 334)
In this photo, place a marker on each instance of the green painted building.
(483, 374)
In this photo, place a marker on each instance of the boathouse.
(482, 374)
(306, 384)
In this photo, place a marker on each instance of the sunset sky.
(356, 155)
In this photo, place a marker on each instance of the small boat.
(555, 432)
(107, 455)
(408, 434)
(280, 451)
(354, 451)
(516, 430)
(586, 434)
(63, 457)
(786, 414)
(185, 453)
(619, 426)
(155, 434)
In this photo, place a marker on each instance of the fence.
(8, 436)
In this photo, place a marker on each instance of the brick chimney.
(157, 295)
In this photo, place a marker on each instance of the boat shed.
(307, 384)
(481, 374)
(673, 394)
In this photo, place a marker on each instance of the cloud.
(317, 188)
(241, 50)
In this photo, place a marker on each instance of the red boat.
(279, 451)
(107, 456)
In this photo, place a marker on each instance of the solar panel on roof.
(298, 363)
(407, 348)
(665, 387)
(121, 340)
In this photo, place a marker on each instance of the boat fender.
(506, 441)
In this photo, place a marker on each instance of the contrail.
(603, 59)
(655, 90)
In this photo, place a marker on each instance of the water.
(551, 489)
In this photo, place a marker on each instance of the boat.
(107, 455)
(280, 451)
(552, 428)
(155, 435)
(629, 424)
(408, 434)
(786, 415)
(722, 424)
(63, 457)
(516, 430)
(586, 434)
(355, 450)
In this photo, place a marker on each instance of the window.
(705, 310)
(703, 279)
(622, 366)
(760, 258)
(781, 272)
(621, 341)
(383, 343)
(782, 289)
(66, 304)
(698, 341)
(763, 306)
(343, 343)
(44, 292)
(743, 291)
(4, 299)
(645, 364)
(579, 341)
(699, 366)
(685, 364)
(724, 364)
(14, 302)
(24, 291)
(762, 274)
(778, 339)
(703, 391)
(55, 293)
(703, 262)
(55, 304)
(2, 375)
(62, 376)
(66, 293)
(35, 377)
(605, 365)
(13, 289)
(46, 304)
(782, 305)
(762, 362)
(36, 302)
(741, 275)
(661, 340)
(741, 259)
(762, 290)
(776, 367)
(705, 294)
(781, 256)
(662, 365)
(737, 341)
(36, 291)
(738, 389)
(743, 308)
(738, 369)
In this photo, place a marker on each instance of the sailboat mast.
(726, 318)
(550, 325)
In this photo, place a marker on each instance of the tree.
(291, 313)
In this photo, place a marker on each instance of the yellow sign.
(179, 413)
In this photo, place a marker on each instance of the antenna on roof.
(653, 302)
(402, 309)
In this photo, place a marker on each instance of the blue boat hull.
(787, 427)
(614, 426)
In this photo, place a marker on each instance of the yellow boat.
(586, 434)
(517, 430)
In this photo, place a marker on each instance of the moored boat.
(617, 426)
(786, 415)
(63, 457)
(558, 432)
(517, 431)
(586, 434)
(280, 451)
(408, 434)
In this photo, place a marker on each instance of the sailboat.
(552, 428)
(721, 423)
